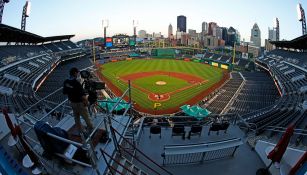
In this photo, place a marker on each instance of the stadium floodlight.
(299, 12)
(135, 23)
(25, 14)
(301, 18)
(28, 4)
(276, 22)
(105, 23)
(2, 2)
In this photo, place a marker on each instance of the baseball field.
(161, 86)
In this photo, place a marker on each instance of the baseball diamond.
(180, 82)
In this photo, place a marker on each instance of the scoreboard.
(122, 41)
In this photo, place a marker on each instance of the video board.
(109, 42)
(121, 41)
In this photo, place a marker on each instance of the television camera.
(91, 86)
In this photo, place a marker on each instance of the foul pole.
(94, 54)
(234, 53)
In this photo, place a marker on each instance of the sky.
(84, 18)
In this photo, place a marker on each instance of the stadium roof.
(297, 43)
(12, 34)
(54, 38)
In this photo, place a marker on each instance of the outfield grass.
(149, 83)
(114, 70)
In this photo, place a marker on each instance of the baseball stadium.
(189, 102)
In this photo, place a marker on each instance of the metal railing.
(299, 132)
(112, 169)
(142, 158)
(198, 153)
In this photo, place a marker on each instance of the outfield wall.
(163, 53)
(218, 64)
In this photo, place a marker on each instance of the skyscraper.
(225, 34)
(218, 32)
(170, 31)
(256, 36)
(181, 23)
(272, 34)
(232, 36)
(204, 28)
(212, 28)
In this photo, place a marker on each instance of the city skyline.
(54, 17)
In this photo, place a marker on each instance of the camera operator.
(78, 99)
(90, 86)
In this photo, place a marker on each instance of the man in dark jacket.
(78, 99)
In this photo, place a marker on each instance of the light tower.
(2, 2)
(105, 30)
(135, 24)
(25, 14)
(301, 17)
(277, 29)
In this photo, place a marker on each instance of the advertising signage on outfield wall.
(223, 66)
(215, 64)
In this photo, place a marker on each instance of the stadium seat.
(195, 130)
(155, 129)
(178, 130)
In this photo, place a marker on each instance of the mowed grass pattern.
(117, 69)
(149, 83)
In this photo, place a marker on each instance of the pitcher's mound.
(158, 97)
(160, 83)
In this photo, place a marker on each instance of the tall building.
(204, 28)
(272, 34)
(181, 23)
(210, 42)
(255, 36)
(192, 33)
(218, 33)
(225, 34)
(232, 36)
(170, 31)
(212, 29)
(254, 51)
(238, 37)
